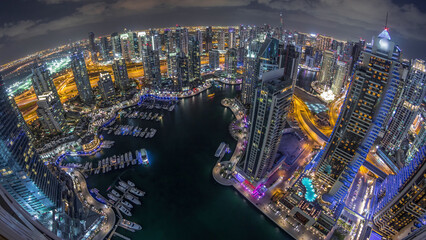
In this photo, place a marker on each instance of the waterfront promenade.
(263, 204)
(86, 198)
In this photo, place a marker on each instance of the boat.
(137, 192)
(131, 184)
(121, 188)
(112, 197)
(124, 210)
(211, 95)
(123, 184)
(130, 225)
(132, 199)
(115, 193)
(220, 149)
(127, 204)
(144, 156)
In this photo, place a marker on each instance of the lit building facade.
(106, 86)
(408, 107)
(214, 59)
(24, 176)
(401, 199)
(326, 73)
(268, 118)
(51, 113)
(120, 75)
(367, 103)
(81, 77)
(340, 77)
(231, 63)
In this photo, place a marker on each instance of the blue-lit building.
(24, 176)
(400, 200)
(371, 93)
(81, 77)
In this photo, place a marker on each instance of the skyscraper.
(327, 69)
(200, 40)
(41, 80)
(51, 113)
(24, 176)
(214, 59)
(401, 199)
(412, 96)
(209, 39)
(231, 38)
(194, 59)
(104, 48)
(221, 40)
(106, 86)
(116, 45)
(120, 75)
(81, 77)
(339, 77)
(367, 103)
(266, 59)
(92, 44)
(272, 100)
(182, 71)
(419, 141)
(151, 65)
(231, 63)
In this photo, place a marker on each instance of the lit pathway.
(109, 221)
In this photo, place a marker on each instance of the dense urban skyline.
(36, 25)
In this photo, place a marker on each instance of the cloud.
(58, 1)
(369, 15)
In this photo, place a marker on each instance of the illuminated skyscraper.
(214, 59)
(231, 38)
(120, 75)
(92, 44)
(339, 77)
(116, 45)
(200, 40)
(271, 104)
(24, 176)
(194, 59)
(367, 103)
(419, 141)
(151, 65)
(407, 109)
(401, 199)
(182, 74)
(221, 40)
(106, 86)
(41, 80)
(104, 48)
(266, 59)
(209, 39)
(81, 77)
(51, 113)
(327, 68)
(231, 63)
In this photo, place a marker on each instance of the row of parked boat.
(166, 104)
(126, 130)
(144, 115)
(116, 162)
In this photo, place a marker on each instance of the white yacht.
(132, 198)
(124, 210)
(112, 197)
(127, 204)
(123, 184)
(137, 192)
(130, 225)
(115, 193)
(131, 184)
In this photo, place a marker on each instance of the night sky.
(28, 26)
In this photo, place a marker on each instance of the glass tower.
(81, 77)
(363, 113)
(24, 176)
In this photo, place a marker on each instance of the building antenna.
(386, 23)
